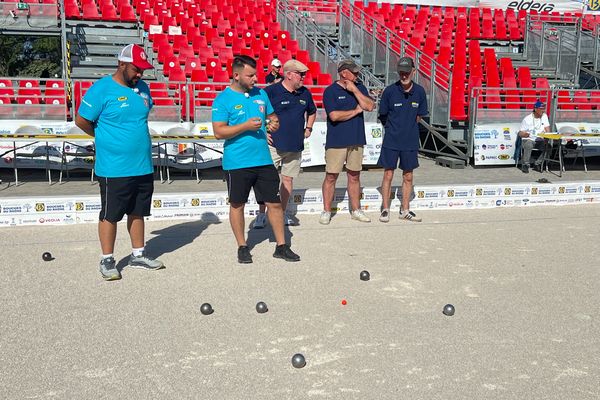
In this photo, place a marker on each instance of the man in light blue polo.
(239, 115)
(115, 111)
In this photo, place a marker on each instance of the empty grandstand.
(482, 67)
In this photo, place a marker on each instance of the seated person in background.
(531, 126)
(274, 75)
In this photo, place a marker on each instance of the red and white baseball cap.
(134, 54)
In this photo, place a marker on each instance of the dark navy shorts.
(264, 180)
(129, 195)
(392, 159)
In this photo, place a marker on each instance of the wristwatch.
(309, 128)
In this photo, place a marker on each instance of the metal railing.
(380, 48)
(554, 45)
(321, 47)
(590, 47)
(33, 98)
(511, 105)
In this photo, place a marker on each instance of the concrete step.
(100, 39)
(100, 28)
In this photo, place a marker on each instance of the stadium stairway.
(95, 45)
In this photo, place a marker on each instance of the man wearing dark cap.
(402, 106)
(115, 111)
(531, 126)
(344, 101)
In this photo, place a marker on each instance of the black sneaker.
(284, 251)
(525, 168)
(244, 256)
(537, 167)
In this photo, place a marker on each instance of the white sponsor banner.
(537, 5)
(494, 144)
(212, 207)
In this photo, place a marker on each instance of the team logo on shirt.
(238, 107)
(414, 104)
(261, 109)
(122, 98)
(398, 105)
(303, 102)
(259, 102)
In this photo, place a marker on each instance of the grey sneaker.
(360, 215)
(260, 221)
(108, 269)
(325, 218)
(385, 215)
(288, 221)
(145, 262)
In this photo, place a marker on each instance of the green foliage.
(30, 56)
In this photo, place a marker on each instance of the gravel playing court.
(524, 282)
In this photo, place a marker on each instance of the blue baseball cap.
(539, 104)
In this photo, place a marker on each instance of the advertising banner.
(494, 144)
(214, 206)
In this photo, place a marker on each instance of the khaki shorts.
(335, 158)
(289, 161)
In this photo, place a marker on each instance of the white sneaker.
(325, 218)
(385, 215)
(359, 215)
(409, 216)
(288, 221)
(260, 221)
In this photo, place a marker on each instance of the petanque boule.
(261, 307)
(298, 361)
(206, 309)
(448, 310)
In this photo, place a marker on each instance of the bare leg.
(354, 189)
(287, 185)
(135, 226)
(275, 216)
(107, 232)
(386, 187)
(328, 190)
(407, 188)
(236, 220)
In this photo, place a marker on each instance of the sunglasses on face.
(302, 74)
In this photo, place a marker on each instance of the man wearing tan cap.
(296, 110)
(115, 111)
(344, 101)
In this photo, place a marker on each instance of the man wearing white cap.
(297, 112)
(115, 111)
(274, 76)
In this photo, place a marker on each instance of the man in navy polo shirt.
(401, 107)
(296, 110)
(344, 101)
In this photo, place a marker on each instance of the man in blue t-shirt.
(402, 106)
(115, 111)
(239, 115)
(296, 110)
(344, 101)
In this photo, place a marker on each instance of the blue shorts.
(388, 159)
